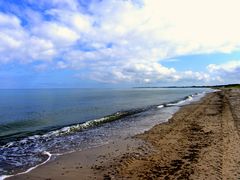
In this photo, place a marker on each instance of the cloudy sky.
(118, 43)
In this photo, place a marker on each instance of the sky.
(118, 43)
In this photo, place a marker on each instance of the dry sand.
(201, 141)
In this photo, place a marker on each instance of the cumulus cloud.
(229, 67)
(17, 44)
(121, 40)
(226, 72)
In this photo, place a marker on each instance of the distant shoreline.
(214, 86)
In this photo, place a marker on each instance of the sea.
(39, 124)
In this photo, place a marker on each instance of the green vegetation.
(230, 86)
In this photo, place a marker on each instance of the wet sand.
(201, 141)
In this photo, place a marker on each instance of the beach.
(201, 141)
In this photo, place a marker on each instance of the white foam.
(190, 98)
(3, 177)
(216, 90)
(30, 169)
(160, 106)
(177, 103)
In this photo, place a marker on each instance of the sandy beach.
(201, 141)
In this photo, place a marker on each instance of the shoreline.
(176, 146)
(127, 147)
(201, 141)
(145, 120)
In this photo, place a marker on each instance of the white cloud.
(59, 34)
(229, 67)
(9, 21)
(61, 65)
(226, 72)
(122, 40)
(74, 20)
(17, 44)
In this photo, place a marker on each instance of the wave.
(93, 123)
(186, 99)
(30, 169)
(73, 127)
(160, 106)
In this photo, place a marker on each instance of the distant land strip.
(214, 86)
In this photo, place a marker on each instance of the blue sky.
(118, 43)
